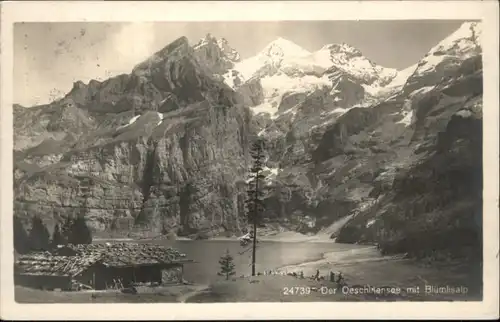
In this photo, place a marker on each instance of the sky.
(50, 57)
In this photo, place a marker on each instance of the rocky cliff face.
(165, 147)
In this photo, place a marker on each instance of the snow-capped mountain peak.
(282, 47)
(464, 40)
(266, 62)
(443, 60)
(284, 67)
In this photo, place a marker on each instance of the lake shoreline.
(272, 287)
(282, 237)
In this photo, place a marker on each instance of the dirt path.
(198, 289)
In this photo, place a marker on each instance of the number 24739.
(296, 290)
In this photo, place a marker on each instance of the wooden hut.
(101, 266)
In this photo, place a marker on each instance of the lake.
(270, 255)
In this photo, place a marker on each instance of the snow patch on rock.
(402, 76)
(407, 118)
(130, 122)
(160, 116)
(464, 113)
(370, 222)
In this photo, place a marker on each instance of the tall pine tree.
(226, 265)
(255, 193)
(21, 240)
(39, 237)
(80, 232)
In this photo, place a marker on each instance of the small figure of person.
(316, 277)
(340, 278)
(302, 274)
(332, 276)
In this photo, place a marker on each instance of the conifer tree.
(66, 230)
(57, 238)
(21, 240)
(114, 224)
(226, 265)
(80, 232)
(255, 193)
(164, 230)
(39, 237)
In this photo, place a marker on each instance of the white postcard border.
(487, 11)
